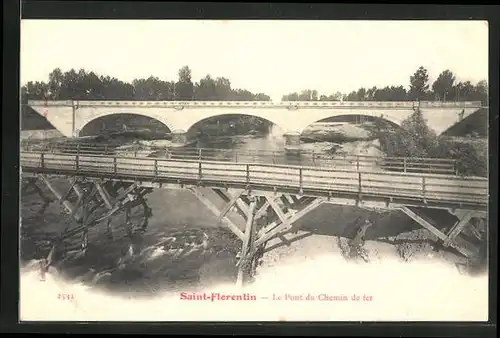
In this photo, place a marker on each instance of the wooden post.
(199, 171)
(77, 162)
(247, 244)
(300, 178)
(42, 160)
(357, 162)
(423, 187)
(248, 173)
(115, 166)
(156, 168)
(404, 164)
(199, 154)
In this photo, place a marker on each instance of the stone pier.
(179, 138)
(292, 143)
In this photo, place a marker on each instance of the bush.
(416, 140)
(469, 160)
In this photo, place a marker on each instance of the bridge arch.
(314, 130)
(350, 117)
(233, 123)
(94, 121)
(191, 119)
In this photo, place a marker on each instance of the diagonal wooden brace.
(214, 209)
(262, 210)
(70, 189)
(69, 207)
(274, 228)
(229, 205)
(279, 212)
(457, 228)
(105, 197)
(461, 245)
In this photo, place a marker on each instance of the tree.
(334, 97)
(205, 89)
(290, 97)
(462, 91)
(481, 92)
(184, 88)
(418, 84)
(370, 93)
(56, 79)
(443, 86)
(361, 94)
(223, 88)
(262, 97)
(308, 95)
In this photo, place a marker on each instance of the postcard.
(267, 170)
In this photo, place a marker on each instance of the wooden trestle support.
(254, 217)
(90, 202)
(262, 215)
(472, 223)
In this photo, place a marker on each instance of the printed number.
(65, 296)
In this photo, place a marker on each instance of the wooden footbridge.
(256, 201)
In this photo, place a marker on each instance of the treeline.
(445, 88)
(85, 85)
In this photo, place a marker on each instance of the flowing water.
(186, 253)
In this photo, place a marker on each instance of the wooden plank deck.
(427, 187)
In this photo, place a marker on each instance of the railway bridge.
(256, 201)
(71, 117)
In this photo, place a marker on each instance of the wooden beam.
(457, 228)
(229, 205)
(214, 209)
(270, 234)
(125, 193)
(279, 212)
(246, 246)
(69, 207)
(304, 202)
(78, 190)
(104, 195)
(417, 218)
(275, 228)
(461, 245)
(242, 206)
(262, 210)
(70, 189)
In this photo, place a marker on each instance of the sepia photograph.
(253, 170)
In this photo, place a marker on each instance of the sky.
(273, 57)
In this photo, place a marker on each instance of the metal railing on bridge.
(425, 187)
(305, 158)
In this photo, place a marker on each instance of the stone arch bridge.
(70, 117)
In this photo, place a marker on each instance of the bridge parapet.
(257, 104)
